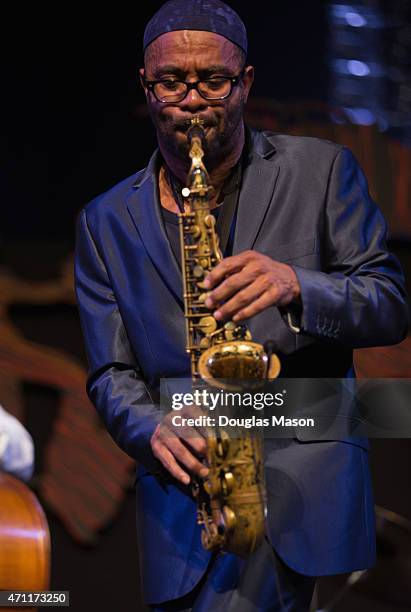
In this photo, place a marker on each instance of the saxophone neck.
(196, 136)
(198, 181)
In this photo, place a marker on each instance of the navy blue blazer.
(303, 201)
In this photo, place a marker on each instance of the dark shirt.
(225, 214)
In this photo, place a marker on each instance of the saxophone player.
(305, 263)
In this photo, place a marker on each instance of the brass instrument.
(231, 500)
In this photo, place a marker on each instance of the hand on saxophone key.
(246, 284)
(181, 448)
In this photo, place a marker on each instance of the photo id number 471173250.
(26, 599)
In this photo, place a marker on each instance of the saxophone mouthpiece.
(195, 128)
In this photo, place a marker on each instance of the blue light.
(358, 68)
(360, 116)
(356, 16)
(355, 19)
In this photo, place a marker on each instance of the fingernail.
(209, 302)
(218, 315)
(186, 480)
(235, 318)
(206, 283)
(204, 472)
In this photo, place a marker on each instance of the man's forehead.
(184, 47)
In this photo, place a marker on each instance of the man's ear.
(248, 80)
(142, 74)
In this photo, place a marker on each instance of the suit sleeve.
(115, 384)
(358, 299)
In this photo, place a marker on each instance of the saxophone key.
(208, 324)
(195, 231)
(227, 483)
(209, 221)
(229, 518)
(198, 271)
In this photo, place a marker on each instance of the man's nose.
(193, 100)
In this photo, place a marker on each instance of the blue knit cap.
(209, 15)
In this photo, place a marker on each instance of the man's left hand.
(246, 284)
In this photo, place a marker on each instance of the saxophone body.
(231, 500)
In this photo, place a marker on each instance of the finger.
(269, 298)
(227, 266)
(229, 287)
(184, 456)
(195, 436)
(162, 453)
(197, 443)
(240, 301)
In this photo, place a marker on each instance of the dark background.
(72, 90)
(71, 129)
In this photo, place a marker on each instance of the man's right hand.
(180, 447)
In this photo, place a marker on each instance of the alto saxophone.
(231, 500)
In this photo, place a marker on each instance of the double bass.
(24, 539)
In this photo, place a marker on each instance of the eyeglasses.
(215, 88)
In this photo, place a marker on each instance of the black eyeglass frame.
(234, 80)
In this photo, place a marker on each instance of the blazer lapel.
(144, 207)
(259, 180)
(256, 194)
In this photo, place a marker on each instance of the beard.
(220, 135)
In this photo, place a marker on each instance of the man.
(305, 264)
